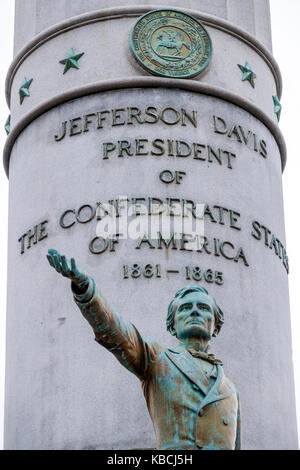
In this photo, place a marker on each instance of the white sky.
(286, 41)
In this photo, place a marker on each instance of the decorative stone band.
(138, 82)
(136, 11)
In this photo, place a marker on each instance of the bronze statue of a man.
(191, 403)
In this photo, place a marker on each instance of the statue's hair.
(219, 316)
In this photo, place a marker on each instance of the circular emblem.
(171, 43)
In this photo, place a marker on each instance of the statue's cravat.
(206, 356)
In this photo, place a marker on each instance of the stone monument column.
(174, 110)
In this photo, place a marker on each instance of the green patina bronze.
(277, 107)
(248, 73)
(7, 125)
(171, 43)
(24, 89)
(192, 404)
(71, 61)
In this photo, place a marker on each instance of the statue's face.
(194, 317)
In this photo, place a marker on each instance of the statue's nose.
(195, 312)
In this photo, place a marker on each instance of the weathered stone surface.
(36, 16)
(63, 391)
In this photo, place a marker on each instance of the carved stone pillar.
(91, 122)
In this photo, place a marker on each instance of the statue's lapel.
(220, 390)
(185, 363)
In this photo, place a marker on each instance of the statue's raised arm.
(111, 330)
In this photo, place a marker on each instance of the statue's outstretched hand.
(67, 268)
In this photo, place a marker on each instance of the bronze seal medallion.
(171, 43)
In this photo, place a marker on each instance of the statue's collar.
(206, 356)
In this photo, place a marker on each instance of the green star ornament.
(277, 107)
(71, 60)
(24, 89)
(248, 73)
(7, 125)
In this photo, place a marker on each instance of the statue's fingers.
(73, 266)
(65, 266)
(57, 264)
(51, 251)
(49, 258)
